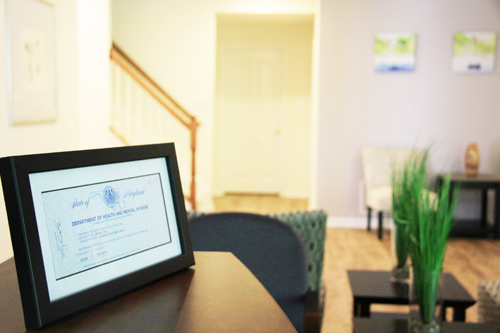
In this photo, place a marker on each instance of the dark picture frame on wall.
(87, 226)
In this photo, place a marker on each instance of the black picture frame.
(39, 310)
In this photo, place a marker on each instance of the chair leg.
(380, 224)
(369, 227)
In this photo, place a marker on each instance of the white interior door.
(250, 108)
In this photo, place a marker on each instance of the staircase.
(144, 113)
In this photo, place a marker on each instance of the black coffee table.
(375, 287)
(384, 325)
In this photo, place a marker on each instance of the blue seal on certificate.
(110, 197)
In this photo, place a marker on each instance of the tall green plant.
(403, 178)
(431, 222)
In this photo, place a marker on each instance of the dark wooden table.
(375, 287)
(384, 325)
(218, 294)
(484, 183)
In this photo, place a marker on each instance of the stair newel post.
(193, 128)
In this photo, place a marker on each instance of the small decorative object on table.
(430, 224)
(472, 158)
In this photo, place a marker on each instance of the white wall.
(353, 106)
(175, 43)
(94, 43)
(40, 138)
(61, 135)
(81, 40)
(359, 108)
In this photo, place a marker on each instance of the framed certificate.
(87, 226)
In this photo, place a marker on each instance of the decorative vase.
(425, 301)
(400, 241)
(472, 159)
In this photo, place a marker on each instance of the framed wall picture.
(31, 56)
(474, 52)
(395, 52)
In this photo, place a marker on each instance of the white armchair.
(378, 164)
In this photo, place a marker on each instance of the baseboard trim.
(346, 222)
(354, 222)
(294, 195)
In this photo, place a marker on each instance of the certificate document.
(102, 222)
(94, 224)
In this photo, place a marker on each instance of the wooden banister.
(163, 98)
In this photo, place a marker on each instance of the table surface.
(217, 294)
(384, 325)
(479, 178)
(375, 287)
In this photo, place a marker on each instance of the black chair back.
(269, 248)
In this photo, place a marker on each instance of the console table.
(383, 325)
(483, 182)
(217, 294)
(375, 287)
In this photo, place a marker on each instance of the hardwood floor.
(261, 204)
(470, 260)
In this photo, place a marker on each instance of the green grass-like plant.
(403, 177)
(431, 220)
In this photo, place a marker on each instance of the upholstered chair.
(310, 226)
(269, 248)
(378, 165)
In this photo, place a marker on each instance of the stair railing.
(125, 112)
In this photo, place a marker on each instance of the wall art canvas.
(32, 61)
(395, 52)
(474, 52)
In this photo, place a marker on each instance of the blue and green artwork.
(474, 52)
(395, 52)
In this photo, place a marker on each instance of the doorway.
(263, 98)
(250, 113)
